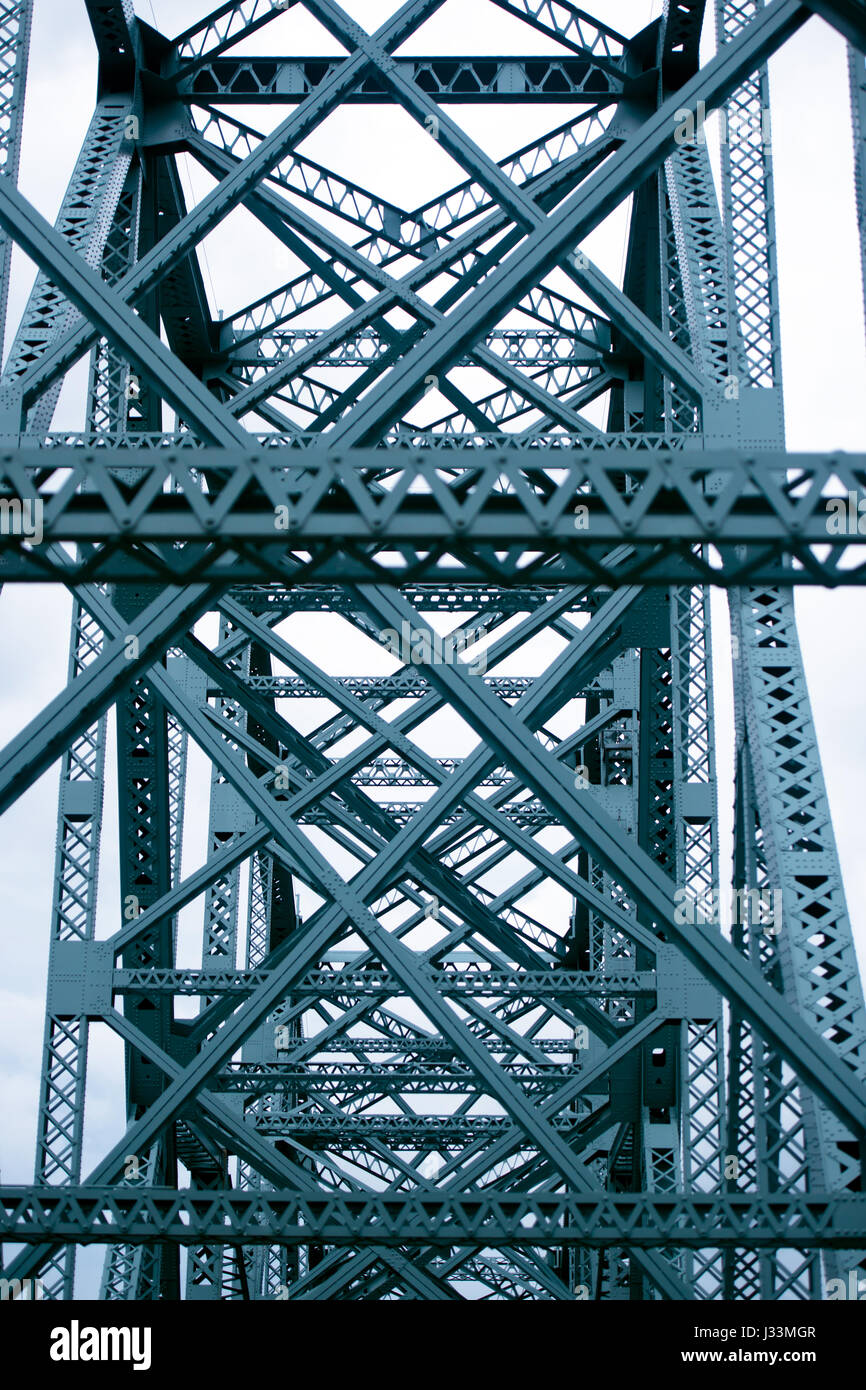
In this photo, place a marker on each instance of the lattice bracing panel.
(462, 1019)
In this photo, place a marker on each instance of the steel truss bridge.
(450, 1033)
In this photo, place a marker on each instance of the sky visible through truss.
(825, 389)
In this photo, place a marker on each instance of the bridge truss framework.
(465, 1026)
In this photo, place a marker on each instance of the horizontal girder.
(430, 1047)
(639, 1220)
(402, 686)
(516, 80)
(337, 1132)
(525, 347)
(255, 512)
(384, 1078)
(326, 984)
(433, 598)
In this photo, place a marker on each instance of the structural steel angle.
(468, 1018)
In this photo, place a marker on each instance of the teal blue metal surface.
(473, 1012)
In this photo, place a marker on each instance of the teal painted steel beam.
(770, 1014)
(138, 644)
(229, 194)
(578, 216)
(641, 1221)
(125, 330)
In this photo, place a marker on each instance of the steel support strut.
(469, 1018)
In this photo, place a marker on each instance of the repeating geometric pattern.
(448, 1035)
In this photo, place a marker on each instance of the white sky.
(822, 324)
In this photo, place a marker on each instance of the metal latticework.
(471, 1013)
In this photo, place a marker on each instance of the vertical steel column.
(857, 80)
(15, 21)
(271, 917)
(64, 1065)
(208, 1267)
(85, 219)
(701, 318)
(64, 1058)
(145, 877)
(784, 835)
(151, 746)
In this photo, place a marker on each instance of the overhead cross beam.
(522, 207)
(538, 1220)
(251, 81)
(513, 202)
(322, 514)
